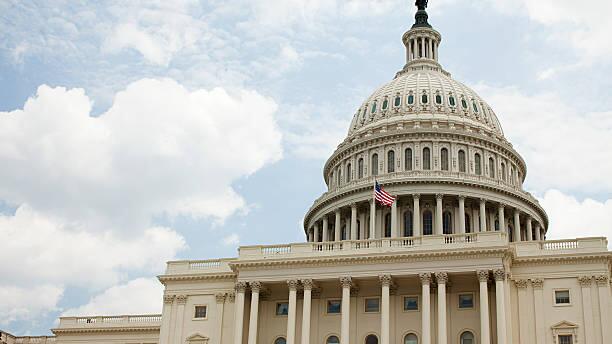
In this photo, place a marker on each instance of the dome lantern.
(422, 41)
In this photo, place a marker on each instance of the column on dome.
(483, 215)
(430, 48)
(500, 305)
(306, 309)
(325, 228)
(362, 227)
(254, 316)
(372, 234)
(603, 289)
(501, 217)
(422, 54)
(426, 304)
(291, 316)
(538, 300)
(310, 234)
(529, 229)
(461, 214)
(353, 222)
(587, 307)
(385, 281)
(346, 283)
(239, 313)
(483, 279)
(394, 229)
(337, 225)
(538, 232)
(316, 232)
(442, 278)
(517, 225)
(409, 51)
(438, 221)
(416, 215)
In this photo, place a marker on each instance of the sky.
(133, 134)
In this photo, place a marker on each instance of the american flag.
(382, 196)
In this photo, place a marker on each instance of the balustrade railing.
(97, 321)
(559, 245)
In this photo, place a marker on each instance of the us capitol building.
(461, 256)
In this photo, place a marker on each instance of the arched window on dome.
(348, 173)
(503, 171)
(491, 168)
(444, 159)
(280, 340)
(375, 164)
(411, 338)
(360, 168)
(388, 226)
(451, 101)
(365, 111)
(447, 222)
(427, 222)
(477, 164)
(467, 338)
(398, 101)
(475, 106)
(426, 158)
(373, 107)
(385, 104)
(462, 165)
(511, 175)
(390, 161)
(408, 231)
(424, 99)
(371, 339)
(332, 340)
(464, 103)
(468, 226)
(438, 99)
(408, 159)
(339, 175)
(410, 99)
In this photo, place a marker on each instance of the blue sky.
(132, 135)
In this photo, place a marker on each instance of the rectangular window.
(372, 305)
(411, 303)
(566, 339)
(466, 301)
(334, 306)
(282, 308)
(562, 297)
(200, 312)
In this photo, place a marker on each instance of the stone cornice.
(564, 258)
(195, 277)
(153, 328)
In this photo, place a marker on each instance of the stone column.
(409, 50)
(522, 305)
(346, 309)
(181, 300)
(438, 227)
(310, 234)
(517, 225)
(426, 305)
(385, 281)
(372, 219)
(422, 47)
(239, 314)
(603, 288)
(483, 215)
(394, 230)
(430, 48)
(538, 300)
(538, 231)
(483, 279)
(500, 305)
(587, 307)
(416, 215)
(462, 214)
(353, 222)
(316, 232)
(220, 298)
(337, 228)
(502, 218)
(442, 278)
(291, 314)
(325, 228)
(306, 308)
(529, 229)
(254, 316)
(164, 331)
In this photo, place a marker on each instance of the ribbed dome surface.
(424, 94)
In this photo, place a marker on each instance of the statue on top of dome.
(421, 4)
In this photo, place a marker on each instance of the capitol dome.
(439, 149)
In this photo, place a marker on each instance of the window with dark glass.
(390, 161)
(566, 339)
(200, 312)
(427, 223)
(491, 168)
(475, 106)
(282, 308)
(451, 101)
(280, 340)
(371, 339)
(360, 168)
(373, 107)
(426, 158)
(375, 164)
(372, 305)
(408, 159)
(447, 223)
(464, 104)
(408, 231)
(462, 165)
(503, 171)
(438, 99)
(348, 173)
(411, 303)
(444, 159)
(385, 104)
(410, 99)
(467, 338)
(388, 226)
(468, 224)
(466, 301)
(477, 164)
(334, 306)
(424, 99)
(332, 340)
(411, 338)
(562, 297)
(398, 101)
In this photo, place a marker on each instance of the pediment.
(564, 325)
(197, 339)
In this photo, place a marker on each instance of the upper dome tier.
(425, 92)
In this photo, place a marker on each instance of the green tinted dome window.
(438, 99)
(424, 99)
(398, 101)
(374, 107)
(411, 99)
(464, 104)
(475, 106)
(385, 104)
(451, 101)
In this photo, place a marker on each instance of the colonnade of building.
(422, 46)
(425, 215)
(386, 282)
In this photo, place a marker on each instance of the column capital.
(483, 275)
(439, 196)
(346, 281)
(231, 297)
(441, 277)
(181, 299)
(537, 283)
(602, 280)
(292, 284)
(585, 281)
(521, 283)
(220, 297)
(483, 200)
(517, 212)
(354, 205)
(501, 205)
(241, 287)
(416, 196)
(425, 278)
(169, 298)
(461, 197)
(338, 211)
(255, 286)
(385, 280)
(499, 274)
(308, 284)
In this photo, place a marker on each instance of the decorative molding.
(441, 277)
(385, 280)
(602, 280)
(292, 284)
(346, 282)
(537, 283)
(425, 278)
(168, 299)
(193, 277)
(181, 299)
(255, 286)
(308, 284)
(241, 286)
(220, 297)
(231, 297)
(585, 281)
(499, 274)
(483, 275)
(154, 328)
(439, 196)
(521, 283)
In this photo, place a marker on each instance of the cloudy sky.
(135, 134)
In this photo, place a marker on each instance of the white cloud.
(27, 303)
(231, 240)
(139, 296)
(571, 218)
(564, 147)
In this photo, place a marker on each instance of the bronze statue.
(421, 4)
